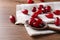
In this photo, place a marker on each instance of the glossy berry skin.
(49, 15)
(57, 12)
(25, 11)
(12, 19)
(57, 21)
(30, 1)
(48, 8)
(42, 0)
(37, 13)
(40, 7)
(44, 10)
(39, 21)
(35, 25)
(35, 22)
(31, 21)
(34, 9)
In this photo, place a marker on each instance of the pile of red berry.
(35, 22)
(38, 22)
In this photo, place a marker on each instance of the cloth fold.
(33, 32)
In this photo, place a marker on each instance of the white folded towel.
(21, 18)
(33, 32)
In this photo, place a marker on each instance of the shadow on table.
(41, 36)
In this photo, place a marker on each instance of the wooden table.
(9, 31)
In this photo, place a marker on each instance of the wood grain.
(9, 31)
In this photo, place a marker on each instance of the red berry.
(48, 8)
(12, 19)
(30, 1)
(57, 12)
(25, 11)
(36, 13)
(57, 22)
(39, 21)
(42, 0)
(40, 7)
(39, 11)
(35, 24)
(44, 10)
(31, 21)
(34, 9)
(50, 15)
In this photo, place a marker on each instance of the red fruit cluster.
(49, 15)
(57, 12)
(57, 21)
(12, 19)
(44, 9)
(48, 8)
(35, 22)
(25, 11)
(30, 1)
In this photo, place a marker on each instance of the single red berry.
(57, 21)
(25, 11)
(48, 8)
(40, 7)
(30, 1)
(42, 0)
(12, 19)
(39, 21)
(34, 15)
(57, 12)
(49, 15)
(34, 9)
(35, 24)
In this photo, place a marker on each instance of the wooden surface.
(9, 31)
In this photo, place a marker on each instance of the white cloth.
(45, 19)
(54, 26)
(21, 18)
(33, 32)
